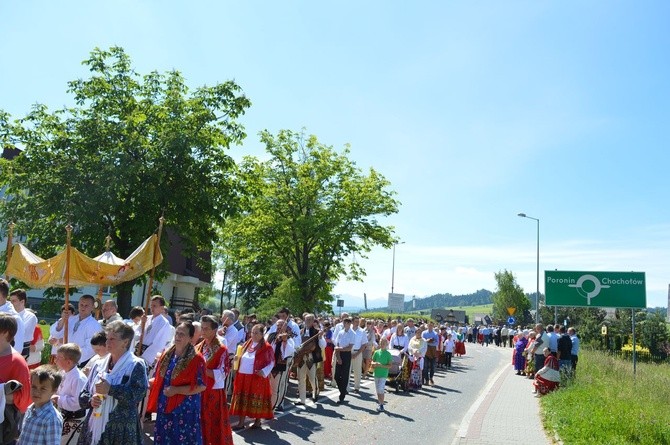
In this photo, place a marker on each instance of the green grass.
(470, 311)
(45, 331)
(606, 405)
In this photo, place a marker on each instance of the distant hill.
(480, 297)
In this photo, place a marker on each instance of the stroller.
(396, 376)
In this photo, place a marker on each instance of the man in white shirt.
(19, 298)
(410, 329)
(284, 314)
(157, 332)
(7, 308)
(80, 329)
(343, 344)
(357, 352)
(336, 330)
(230, 338)
(229, 331)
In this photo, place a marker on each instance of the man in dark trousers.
(343, 343)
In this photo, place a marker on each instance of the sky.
(474, 111)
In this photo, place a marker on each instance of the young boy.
(99, 345)
(67, 398)
(53, 341)
(381, 362)
(42, 424)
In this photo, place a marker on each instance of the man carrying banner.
(283, 346)
(308, 356)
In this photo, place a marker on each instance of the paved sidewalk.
(507, 412)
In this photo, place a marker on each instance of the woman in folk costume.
(519, 356)
(252, 395)
(214, 415)
(416, 351)
(460, 343)
(116, 384)
(175, 392)
(399, 341)
(548, 377)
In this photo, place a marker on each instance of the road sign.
(595, 289)
(511, 310)
(511, 320)
(396, 302)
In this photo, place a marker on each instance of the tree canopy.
(508, 294)
(305, 210)
(131, 148)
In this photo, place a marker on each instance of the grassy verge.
(470, 311)
(605, 405)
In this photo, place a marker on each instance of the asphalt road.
(433, 414)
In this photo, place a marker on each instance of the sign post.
(598, 289)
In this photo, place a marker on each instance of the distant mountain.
(482, 296)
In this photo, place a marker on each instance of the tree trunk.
(124, 292)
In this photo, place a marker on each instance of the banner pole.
(157, 247)
(68, 229)
(108, 240)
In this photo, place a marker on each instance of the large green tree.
(306, 209)
(131, 148)
(508, 294)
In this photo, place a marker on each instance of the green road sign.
(595, 289)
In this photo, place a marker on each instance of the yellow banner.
(103, 270)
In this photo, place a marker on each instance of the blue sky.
(475, 111)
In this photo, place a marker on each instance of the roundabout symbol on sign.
(596, 287)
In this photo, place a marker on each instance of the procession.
(189, 375)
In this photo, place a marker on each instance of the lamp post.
(537, 291)
(393, 266)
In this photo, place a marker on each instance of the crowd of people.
(190, 373)
(543, 354)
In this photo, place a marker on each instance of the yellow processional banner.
(103, 270)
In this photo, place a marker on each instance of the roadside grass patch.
(605, 405)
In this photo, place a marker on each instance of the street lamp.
(393, 266)
(537, 291)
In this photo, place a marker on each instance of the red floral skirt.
(252, 397)
(214, 417)
(544, 386)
